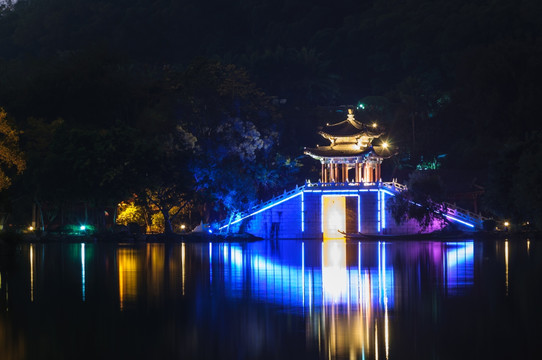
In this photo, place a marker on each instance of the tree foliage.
(458, 77)
(422, 201)
(12, 161)
(513, 191)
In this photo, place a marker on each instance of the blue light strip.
(379, 212)
(387, 192)
(459, 221)
(383, 208)
(322, 215)
(359, 213)
(263, 209)
(302, 212)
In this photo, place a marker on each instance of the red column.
(356, 170)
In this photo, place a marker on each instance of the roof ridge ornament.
(350, 115)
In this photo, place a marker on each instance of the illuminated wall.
(319, 211)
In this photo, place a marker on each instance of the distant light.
(506, 223)
(385, 145)
(375, 125)
(31, 228)
(183, 226)
(361, 106)
(210, 231)
(83, 228)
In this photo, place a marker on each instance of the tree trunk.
(167, 222)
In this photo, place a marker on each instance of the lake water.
(273, 300)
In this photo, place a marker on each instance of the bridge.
(302, 211)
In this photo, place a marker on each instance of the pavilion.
(350, 195)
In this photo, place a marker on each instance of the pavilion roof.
(323, 152)
(329, 152)
(349, 128)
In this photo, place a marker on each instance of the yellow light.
(31, 228)
(375, 125)
(506, 223)
(183, 226)
(334, 216)
(385, 145)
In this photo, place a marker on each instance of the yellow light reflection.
(386, 330)
(343, 333)
(128, 269)
(155, 255)
(32, 272)
(183, 269)
(334, 275)
(506, 264)
(528, 246)
(376, 341)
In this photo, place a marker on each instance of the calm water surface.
(273, 299)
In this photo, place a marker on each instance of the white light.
(83, 228)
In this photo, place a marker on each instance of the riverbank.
(7, 237)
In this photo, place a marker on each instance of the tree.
(167, 185)
(423, 201)
(513, 190)
(12, 161)
(231, 123)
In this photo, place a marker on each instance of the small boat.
(435, 235)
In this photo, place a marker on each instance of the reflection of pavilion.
(344, 290)
(332, 276)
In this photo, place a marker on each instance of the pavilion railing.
(255, 208)
(449, 209)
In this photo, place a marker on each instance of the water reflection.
(506, 264)
(129, 268)
(346, 290)
(31, 255)
(83, 277)
(331, 299)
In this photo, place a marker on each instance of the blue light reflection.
(314, 274)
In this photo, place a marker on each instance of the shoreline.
(7, 238)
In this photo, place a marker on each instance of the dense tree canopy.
(100, 86)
